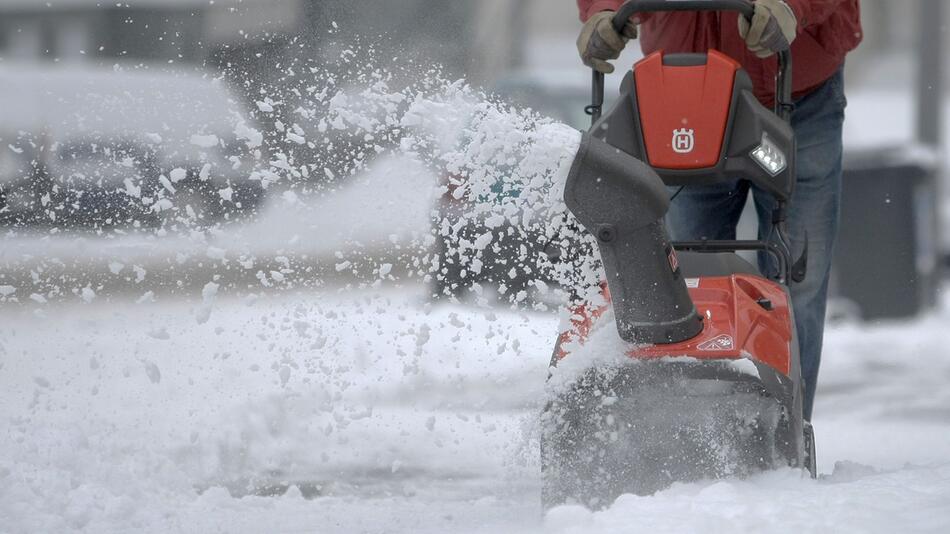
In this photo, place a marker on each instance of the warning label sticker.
(721, 342)
(674, 261)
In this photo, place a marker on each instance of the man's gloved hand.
(772, 30)
(599, 41)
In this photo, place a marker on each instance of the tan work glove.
(599, 42)
(772, 30)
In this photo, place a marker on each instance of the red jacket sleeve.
(812, 12)
(586, 8)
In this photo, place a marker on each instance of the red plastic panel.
(734, 324)
(684, 110)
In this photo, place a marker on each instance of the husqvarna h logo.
(683, 140)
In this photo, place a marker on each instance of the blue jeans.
(713, 212)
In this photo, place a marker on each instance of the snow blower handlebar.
(783, 81)
(783, 94)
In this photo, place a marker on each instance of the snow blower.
(704, 381)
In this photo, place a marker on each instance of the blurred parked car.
(97, 147)
(518, 257)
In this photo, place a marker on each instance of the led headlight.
(769, 156)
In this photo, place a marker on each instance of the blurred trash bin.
(885, 263)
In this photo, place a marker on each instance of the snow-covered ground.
(375, 411)
(379, 406)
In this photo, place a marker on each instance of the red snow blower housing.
(709, 383)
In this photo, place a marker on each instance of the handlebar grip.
(631, 8)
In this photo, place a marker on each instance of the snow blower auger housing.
(709, 383)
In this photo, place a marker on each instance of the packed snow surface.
(375, 411)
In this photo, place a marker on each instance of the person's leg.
(813, 211)
(710, 212)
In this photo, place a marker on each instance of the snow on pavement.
(375, 411)
(124, 416)
(852, 499)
